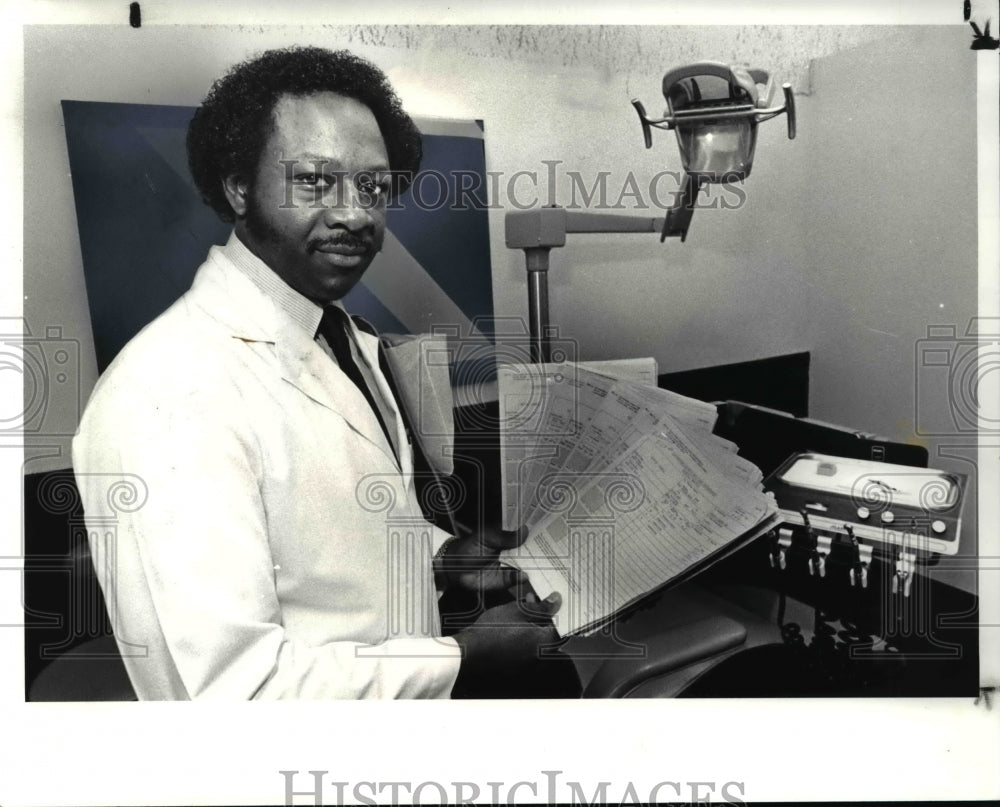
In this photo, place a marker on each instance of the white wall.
(853, 238)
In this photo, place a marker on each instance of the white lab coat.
(251, 530)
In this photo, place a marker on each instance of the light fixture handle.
(789, 109)
(647, 134)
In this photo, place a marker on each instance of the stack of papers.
(622, 485)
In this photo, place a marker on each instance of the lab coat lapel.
(231, 298)
(369, 347)
(305, 366)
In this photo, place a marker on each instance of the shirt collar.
(301, 310)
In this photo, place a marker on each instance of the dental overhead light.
(714, 110)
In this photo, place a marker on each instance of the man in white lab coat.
(245, 472)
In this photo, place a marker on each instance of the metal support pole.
(542, 229)
(537, 261)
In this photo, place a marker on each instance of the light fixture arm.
(538, 231)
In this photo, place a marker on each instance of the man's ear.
(235, 188)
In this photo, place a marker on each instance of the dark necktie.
(437, 506)
(334, 328)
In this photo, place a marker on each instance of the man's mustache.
(346, 241)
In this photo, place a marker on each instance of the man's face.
(315, 208)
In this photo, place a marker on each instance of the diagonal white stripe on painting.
(404, 287)
(169, 144)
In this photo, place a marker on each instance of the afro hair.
(228, 132)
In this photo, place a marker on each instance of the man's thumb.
(551, 604)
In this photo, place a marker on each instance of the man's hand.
(472, 562)
(506, 641)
